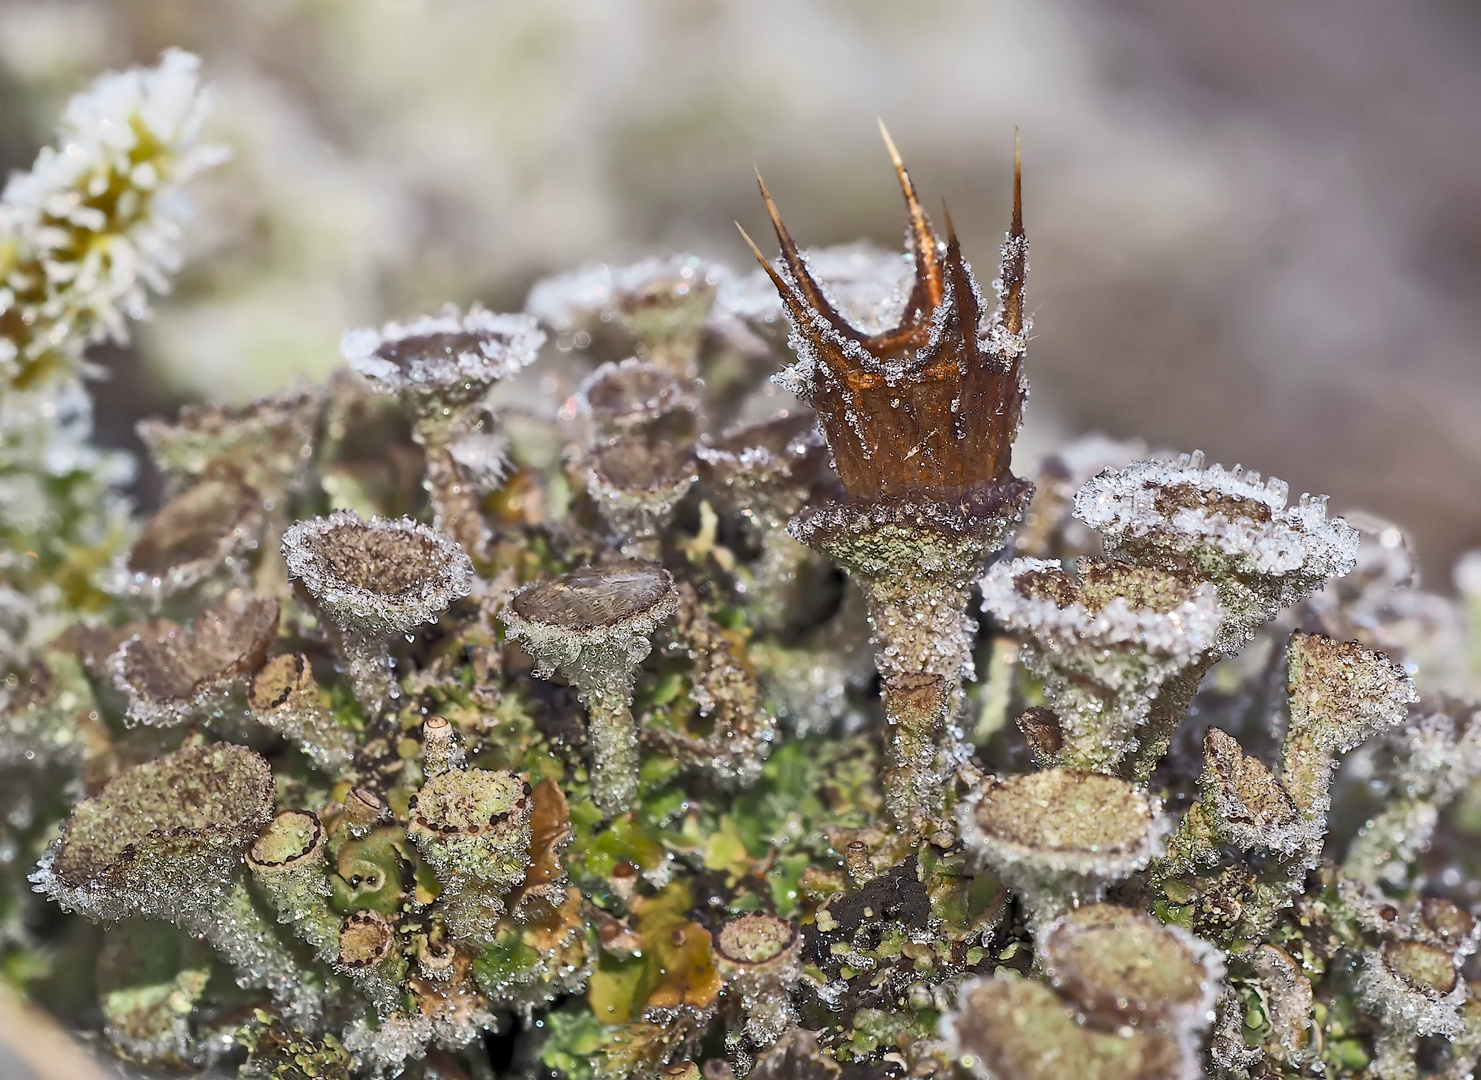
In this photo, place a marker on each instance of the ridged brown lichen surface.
(546, 696)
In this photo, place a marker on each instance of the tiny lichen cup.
(1060, 837)
(595, 626)
(374, 581)
(440, 367)
(165, 840)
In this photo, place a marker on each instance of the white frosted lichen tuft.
(1105, 641)
(95, 225)
(1223, 525)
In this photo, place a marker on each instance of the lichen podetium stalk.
(921, 420)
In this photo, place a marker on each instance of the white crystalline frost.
(1180, 634)
(1179, 509)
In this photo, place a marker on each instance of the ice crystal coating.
(1340, 694)
(1249, 806)
(442, 749)
(375, 580)
(766, 472)
(1010, 1028)
(285, 697)
(205, 533)
(164, 841)
(1110, 644)
(1413, 987)
(1121, 965)
(760, 958)
(1436, 755)
(440, 367)
(636, 397)
(173, 674)
(596, 626)
(290, 867)
(1060, 836)
(1224, 525)
(446, 359)
(159, 833)
(726, 695)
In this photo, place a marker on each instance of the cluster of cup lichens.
(427, 880)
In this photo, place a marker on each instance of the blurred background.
(1255, 227)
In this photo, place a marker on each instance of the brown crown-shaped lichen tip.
(173, 675)
(366, 940)
(206, 531)
(1250, 807)
(1012, 1028)
(293, 838)
(1121, 965)
(162, 839)
(1015, 256)
(928, 408)
(379, 577)
(449, 358)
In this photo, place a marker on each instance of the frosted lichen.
(519, 803)
(375, 580)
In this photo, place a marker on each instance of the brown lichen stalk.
(920, 420)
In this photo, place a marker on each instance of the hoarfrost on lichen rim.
(356, 604)
(489, 347)
(1187, 630)
(1122, 504)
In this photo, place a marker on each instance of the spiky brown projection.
(929, 409)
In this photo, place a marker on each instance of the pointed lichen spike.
(776, 279)
(1015, 253)
(922, 237)
(806, 286)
